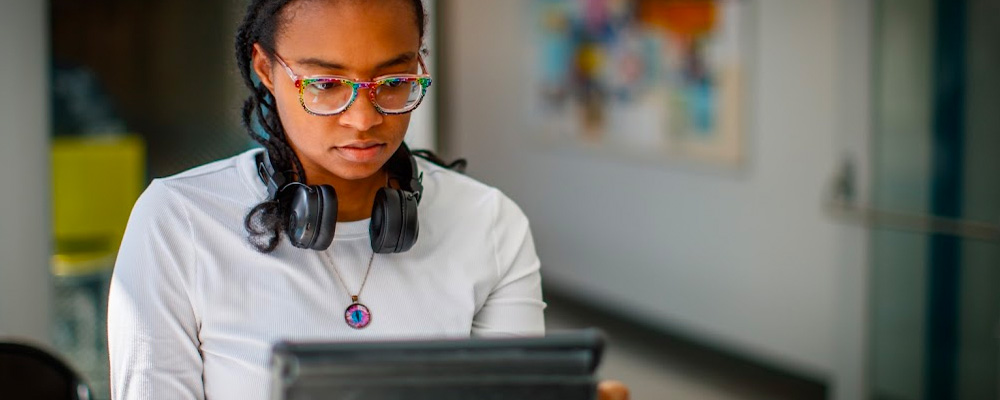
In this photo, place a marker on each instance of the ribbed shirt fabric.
(194, 309)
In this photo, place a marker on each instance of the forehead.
(356, 34)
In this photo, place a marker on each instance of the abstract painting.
(643, 78)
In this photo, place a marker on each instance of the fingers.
(612, 390)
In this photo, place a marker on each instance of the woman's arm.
(514, 306)
(152, 325)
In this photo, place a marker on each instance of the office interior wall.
(423, 120)
(169, 71)
(853, 131)
(25, 231)
(745, 259)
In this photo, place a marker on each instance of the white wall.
(420, 134)
(24, 170)
(745, 260)
(849, 379)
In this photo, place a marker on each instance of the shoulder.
(471, 221)
(232, 175)
(219, 190)
(453, 190)
(446, 179)
(213, 187)
(462, 196)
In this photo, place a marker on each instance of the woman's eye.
(323, 85)
(393, 83)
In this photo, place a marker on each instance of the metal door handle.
(842, 205)
(922, 223)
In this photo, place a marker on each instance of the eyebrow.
(397, 60)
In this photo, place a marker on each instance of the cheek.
(398, 124)
(300, 127)
(308, 133)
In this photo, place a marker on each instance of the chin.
(356, 172)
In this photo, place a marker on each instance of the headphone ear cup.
(394, 226)
(327, 213)
(411, 226)
(300, 224)
(312, 217)
(386, 223)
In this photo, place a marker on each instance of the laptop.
(557, 366)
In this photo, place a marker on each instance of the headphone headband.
(311, 210)
(275, 182)
(403, 166)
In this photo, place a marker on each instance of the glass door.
(935, 291)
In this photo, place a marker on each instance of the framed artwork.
(661, 79)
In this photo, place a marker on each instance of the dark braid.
(265, 221)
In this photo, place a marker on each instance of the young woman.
(333, 231)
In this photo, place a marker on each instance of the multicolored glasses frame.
(304, 82)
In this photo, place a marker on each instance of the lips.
(361, 151)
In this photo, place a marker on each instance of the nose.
(362, 115)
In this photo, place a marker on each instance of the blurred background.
(755, 199)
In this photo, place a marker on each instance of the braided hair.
(264, 223)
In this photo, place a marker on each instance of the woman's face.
(359, 40)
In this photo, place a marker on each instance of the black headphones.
(311, 210)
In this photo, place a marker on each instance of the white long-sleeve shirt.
(194, 309)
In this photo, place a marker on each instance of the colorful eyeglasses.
(332, 95)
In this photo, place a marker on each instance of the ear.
(262, 66)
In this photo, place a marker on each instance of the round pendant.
(357, 316)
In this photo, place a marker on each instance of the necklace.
(357, 315)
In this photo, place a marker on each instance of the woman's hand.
(612, 390)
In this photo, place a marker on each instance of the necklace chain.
(354, 297)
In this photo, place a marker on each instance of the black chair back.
(28, 372)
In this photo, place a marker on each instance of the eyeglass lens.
(391, 95)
